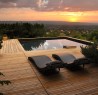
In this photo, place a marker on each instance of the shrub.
(91, 52)
(0, 43)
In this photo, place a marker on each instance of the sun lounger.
(44, 63)
(70, 60)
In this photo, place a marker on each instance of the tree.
(38, 30)
(53, 33)
(93, 36)
(22, 30)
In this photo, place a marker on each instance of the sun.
(73, 19)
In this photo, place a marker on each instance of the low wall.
(79, 40)
(64, 37)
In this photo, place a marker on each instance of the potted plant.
(5, 37)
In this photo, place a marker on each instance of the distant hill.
(51, 22)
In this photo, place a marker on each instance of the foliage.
(2, 82)
(53, 33)
(22, 30)
(85, 35)
(93, 36)
(91, 52)
(28, 30)
(0, 42)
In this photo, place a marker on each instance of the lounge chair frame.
(44, 64)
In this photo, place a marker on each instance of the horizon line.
(46, 21)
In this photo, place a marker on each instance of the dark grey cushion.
(40, 61)
(65, 58)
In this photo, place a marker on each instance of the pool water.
(48, 44)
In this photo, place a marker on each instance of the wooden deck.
(26, 80)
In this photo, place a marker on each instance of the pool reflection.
(48, 44)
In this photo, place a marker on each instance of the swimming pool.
(46, 44)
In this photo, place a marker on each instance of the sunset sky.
(49, 10)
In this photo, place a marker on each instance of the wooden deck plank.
(21, 75)
(67, 82)
(19, 45)
(15, 67)
(11, 46)
(27, 80)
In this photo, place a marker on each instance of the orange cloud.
(27, 14)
